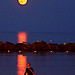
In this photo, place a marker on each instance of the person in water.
(29, 70)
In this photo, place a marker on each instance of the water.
(43, 63)
(56, 37)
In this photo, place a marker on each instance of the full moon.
(22, 2)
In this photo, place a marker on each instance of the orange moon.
(22, 37)
(22, 2)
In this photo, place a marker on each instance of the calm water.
(56, 37)
(43, 63)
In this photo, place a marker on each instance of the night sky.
(38, 16)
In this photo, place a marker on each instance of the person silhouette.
(29, 70)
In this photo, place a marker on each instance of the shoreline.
(36, 47)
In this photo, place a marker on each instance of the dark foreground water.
(43, 63)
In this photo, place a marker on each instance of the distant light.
(22, 37)
(22, 2)
(64, 43)
(50, 40)
(67, 39)
(67, 51)
(51, 51)
(35, 51)
(8, 51)
(37, 40)
(20, 51)
(28, 34)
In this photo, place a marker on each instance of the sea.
(43, 63)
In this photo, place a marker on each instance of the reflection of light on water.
(22, 37)
(21, 64)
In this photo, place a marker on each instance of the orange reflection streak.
(21, 64)
(22, 37)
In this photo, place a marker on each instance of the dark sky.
(38, 16)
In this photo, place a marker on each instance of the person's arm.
(31, 69)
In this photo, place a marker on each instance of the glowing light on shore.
(67, 51)
(22, 37)
(64, 43)
(22, 2)
(22, 60)
(8, 51)
(20, 51)
(51, 51)
(35, 51)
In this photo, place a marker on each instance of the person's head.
(28, 65)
